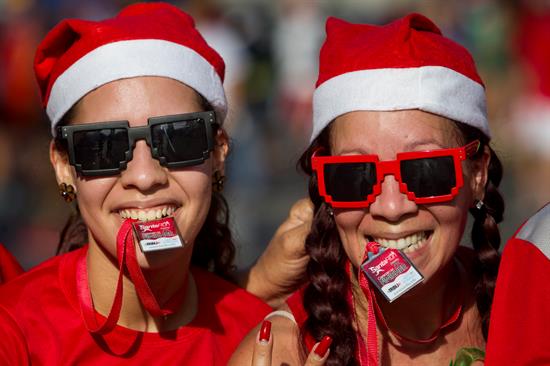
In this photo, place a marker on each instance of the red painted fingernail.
(265, 331)
(323, 346)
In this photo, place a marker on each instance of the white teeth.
(408, 243)
(147, 215)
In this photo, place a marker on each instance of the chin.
(161, 258)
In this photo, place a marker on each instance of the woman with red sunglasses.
(136, 105)
(399, 155)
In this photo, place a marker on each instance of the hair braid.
(486, 242)
(485, 233)
(325, 296)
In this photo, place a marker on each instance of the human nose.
(143, 171)
(391, 204)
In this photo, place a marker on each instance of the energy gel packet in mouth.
(161, 234)
(390, 271)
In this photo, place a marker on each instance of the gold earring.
(67, 192)
(218, 181)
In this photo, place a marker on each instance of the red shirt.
(41, 323)
(9, 267)
(520, 316)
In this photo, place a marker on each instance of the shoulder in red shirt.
(520, 316)
(41, 323)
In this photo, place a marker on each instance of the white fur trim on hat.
(433, 89)
(117, 60)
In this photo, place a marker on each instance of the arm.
(281, 268)
(520, 314)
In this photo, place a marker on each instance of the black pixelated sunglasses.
(105, 148)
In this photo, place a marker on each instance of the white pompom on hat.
(146, 39)
(406, 64)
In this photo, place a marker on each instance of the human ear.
(480, 174)
(60, 163)
(221, 149)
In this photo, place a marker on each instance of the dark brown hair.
(214, 249)
(324, 296)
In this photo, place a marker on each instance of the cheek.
(93, 193)
(348, 223)
(91, 196)
(452, 221)
(196, 191)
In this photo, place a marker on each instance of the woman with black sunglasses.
(136, 105)
(399, 155)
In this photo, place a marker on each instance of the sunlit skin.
(393, 216)
(144, 185)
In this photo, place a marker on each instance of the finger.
(301, 213)
(302, 210)
(293, 240)
(319, 354)
(264, 346)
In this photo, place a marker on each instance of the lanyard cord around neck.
(444, 324)
(367, 351)
(370, 347)
(127, 259)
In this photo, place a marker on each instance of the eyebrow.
(430, 141)
(412, 146)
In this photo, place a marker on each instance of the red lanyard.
(367, 352)
(126, 257)
(370, 347)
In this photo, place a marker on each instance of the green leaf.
(466, 356)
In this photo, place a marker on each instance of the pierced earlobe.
(478, 204)
(67, 192)
(218, 181)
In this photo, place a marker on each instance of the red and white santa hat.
(147, 39)
(406, 64)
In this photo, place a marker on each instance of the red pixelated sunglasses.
(354, 181)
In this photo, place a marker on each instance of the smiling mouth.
(148, 214)
(407, 243)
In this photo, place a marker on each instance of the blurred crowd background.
(271, 48)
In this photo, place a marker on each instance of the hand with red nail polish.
(264, 346)
(265, 331)
(264, 354)
(319, 353)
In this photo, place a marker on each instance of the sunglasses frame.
(392, 167)
(139, 133)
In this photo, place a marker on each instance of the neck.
(164, 281)
(420, 313)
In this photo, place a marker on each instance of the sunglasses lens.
(349, 182)
(100, 149)
(429, 177)
(180, 141)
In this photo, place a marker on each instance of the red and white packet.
(391, 272)
(157, 235)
